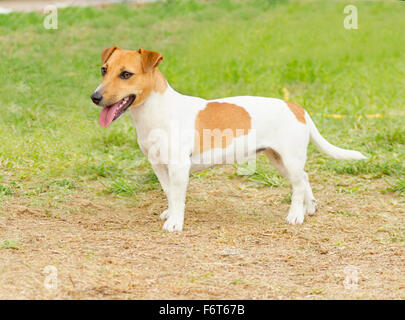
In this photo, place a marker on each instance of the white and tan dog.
(181, 134)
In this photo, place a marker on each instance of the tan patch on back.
(218, 124)
(298, 111)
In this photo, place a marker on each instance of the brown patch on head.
(107, 52)
(145, 79)
(298, 111)
(150, 59)
(218, 124)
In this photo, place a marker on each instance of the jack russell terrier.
(181, 134)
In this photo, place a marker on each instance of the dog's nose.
(96, 97)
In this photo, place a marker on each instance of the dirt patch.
(235, 244)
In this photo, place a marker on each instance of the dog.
(182, 134)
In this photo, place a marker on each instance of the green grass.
(347, 214)
(5, 191)
(398, 186)
(260, 172)
(49, 127)
(128, 187)
(10, 244)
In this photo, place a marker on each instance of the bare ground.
(235, 244)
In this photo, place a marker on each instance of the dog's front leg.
(161, 171)
(178, 181)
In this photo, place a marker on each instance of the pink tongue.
(107, 114)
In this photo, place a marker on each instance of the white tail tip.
(355, 155)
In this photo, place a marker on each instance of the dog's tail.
(323, 145)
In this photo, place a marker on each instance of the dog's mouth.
(114, 111)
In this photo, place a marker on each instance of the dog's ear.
(107, 52)
(150, 59)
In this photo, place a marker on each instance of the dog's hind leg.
(302, 201)
(296, 175)
(309, 200)
(276, 160)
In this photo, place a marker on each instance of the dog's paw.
(310, 207)
(165, 214)
(295, 217)
(173, 223)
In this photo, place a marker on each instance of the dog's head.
(129, 77)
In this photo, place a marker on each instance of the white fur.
(165, 128)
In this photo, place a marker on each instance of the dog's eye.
(103, 71)
(126, 75)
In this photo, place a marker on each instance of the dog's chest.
(151, 129)
(161, 133)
